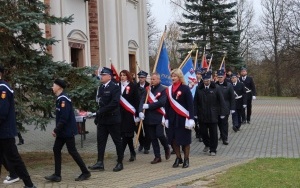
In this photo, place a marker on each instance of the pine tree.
(210, 22)
(29, 69)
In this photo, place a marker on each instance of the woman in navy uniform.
(179, 117)
(8, 131)
(129, 111)
(64, 133)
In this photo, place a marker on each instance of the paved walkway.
(274, 132)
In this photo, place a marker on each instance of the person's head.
(243, 72)
(106, 75)
(229, 73)
(142, 75)
(177, 76)
(58, 86)
(206, 78)
(1, 71)
(234, 78)
(155, 79)
(125, 76)
(221, 76)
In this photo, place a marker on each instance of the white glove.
(222, 117)
(137, 119)
(244, 106)
(167, 123)
(145, 106)
(195, 117)
(253, 97)
(190, 125)
(142, 115)
(232, 111)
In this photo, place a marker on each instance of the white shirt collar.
(106, 83)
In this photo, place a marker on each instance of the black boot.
(21, 141)
(132, 157)
(186, 163)
(177, 162)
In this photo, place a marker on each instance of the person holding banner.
(209, 104)
(179, 117)
(154, 117)
(129, 113)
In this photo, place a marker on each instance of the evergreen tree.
(29, 68)
(210, 22)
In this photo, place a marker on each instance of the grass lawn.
(262, 172)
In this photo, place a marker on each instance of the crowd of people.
(157, 115)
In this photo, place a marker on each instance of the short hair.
(179, 73)
(127, 73)
(156, 74)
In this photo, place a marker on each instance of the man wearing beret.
(8, 131)
(108, 119)
(64, 133)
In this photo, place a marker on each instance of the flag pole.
(196, 59)
(222, 61)
(159, 49)
(203, 56)
(188, 56)
(209, 64)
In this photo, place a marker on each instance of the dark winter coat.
(228, 94)
(249, 83)
(240, 90)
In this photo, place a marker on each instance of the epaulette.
(12, 91)
(63, 96)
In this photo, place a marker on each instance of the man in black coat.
(240, 102)
(228, 94)
(108, 119)
(144, 139)
(199, 72)
(251, 94)
(209, 104)
(154, 117)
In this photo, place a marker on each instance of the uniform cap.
(60, 83)
(106, 70)
(142, 74)
(220, 73)
(206, 76)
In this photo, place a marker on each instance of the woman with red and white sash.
(179, 117)
(128, 107)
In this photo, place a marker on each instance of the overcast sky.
(163, 12)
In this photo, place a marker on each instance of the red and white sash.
(161, 110)
(178, 108)
(127, 106)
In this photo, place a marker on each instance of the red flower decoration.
(178, 94)
(157, 95)
(127, 89)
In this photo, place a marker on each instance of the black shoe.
(225, 142)
(98, 166)
(200, 139)
(53, 177)
(177, 162)
(235, 129)
(146, 151)
(21, 141)
(140, 148)
(186, 163)
(248, 122)
(132, 157)
(243, 122)
(30, 187)
(118, 167)
(83, 176)
(156, 160)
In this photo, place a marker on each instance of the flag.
(222, 66)
(190, 75)
(115, 73)
(204, 61)
(163, 66)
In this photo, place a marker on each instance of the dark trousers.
(156, 132)
(70, 142)
(197, 128)
(128, 141)
(223, 127)
(210, 135)
(144, 139)
(249, 111)
(237, 118)
(102, 134)
(9, 151)
(8, 167)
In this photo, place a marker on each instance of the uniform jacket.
(141, 90)
(65, 117)
(152, 116)
(228, 94)
(109, 104)
(209, 104)
(8, 127)
(127, 123)
(240, 90)
(249, 83)
(185, 100)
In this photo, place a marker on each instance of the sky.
(163, 12)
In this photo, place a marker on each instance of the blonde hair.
(178, 73)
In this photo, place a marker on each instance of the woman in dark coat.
(129, 104)
(179, 117)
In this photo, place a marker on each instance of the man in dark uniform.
(228, 94)
(64, 133)
(209, 104)
(240, 102)
(154, 116)
(251, 94)
(8, 131)
(108, 119)
(143, 138)
(199, 72)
